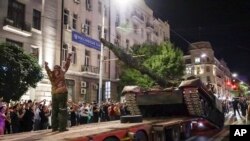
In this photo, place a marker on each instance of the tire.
(187, 131)
(141, 136)
(111, 139)
(131, 119)
(173, 134)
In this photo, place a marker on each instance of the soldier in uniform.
(59, 95)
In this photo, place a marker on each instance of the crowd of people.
(237, 105)
(24, 116)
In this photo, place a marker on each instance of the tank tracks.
(194, 104)
(131, 104)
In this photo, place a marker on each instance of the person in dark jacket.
(28, 117)
(15, 123)
(235, 107)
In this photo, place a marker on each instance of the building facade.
(202, 62)
(52, 29)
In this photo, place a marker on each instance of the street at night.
(219, 135)
(124, 70)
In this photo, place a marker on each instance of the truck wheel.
(111, 139)
(186, 132)
(173, 134)
(141, 136)
(131, 119)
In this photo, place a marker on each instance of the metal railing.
(92, 69)
(21, 25)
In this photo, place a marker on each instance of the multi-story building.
(33, 25)
(50, 29)
(202, 62)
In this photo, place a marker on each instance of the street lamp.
(234, 75)
(101, 59)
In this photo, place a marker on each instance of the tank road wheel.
(131, 119)
(173, 134)
(111, 139)
(141, 136)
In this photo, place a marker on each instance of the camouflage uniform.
(59, 96)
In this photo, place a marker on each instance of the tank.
(191, 98)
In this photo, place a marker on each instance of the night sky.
(224, 23)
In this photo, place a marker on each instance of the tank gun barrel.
(133, 63)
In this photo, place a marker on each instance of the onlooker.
(2, 117)
(15, 124)
(236, 107)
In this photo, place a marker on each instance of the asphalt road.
(216, 134)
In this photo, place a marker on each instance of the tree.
(164, 60)
(18, 71)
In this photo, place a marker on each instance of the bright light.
(203, 55)
(234, 74)
(200, 125)
(228, 83)
(122, 2)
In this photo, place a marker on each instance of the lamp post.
(101, 59)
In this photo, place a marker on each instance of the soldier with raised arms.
(59, 95)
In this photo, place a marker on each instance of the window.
(64, 52)
(197, 60)
(66, 17)
(187, 61)
(207, 69)
(148, 37)
(16, 13)
(100, 7)
(106, 69)
(89, 5)
(105, 11)
(87, 58)
(188, 70)
(135, 28)
(15, 43)
(105, 34)
(87, 27)
(117, 20)
(208, 60)
(36, 19)
(73, 59)
(74, 21)
(198, 70)
(35, 52)
(99, 28)
(117, 40)
(208, 79)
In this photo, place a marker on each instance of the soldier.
(59, 95)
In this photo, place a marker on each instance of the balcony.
(137, 17)
(90, 69)
(20, 28)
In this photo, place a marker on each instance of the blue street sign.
(85, 40)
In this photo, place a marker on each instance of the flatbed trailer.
(171, 128)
